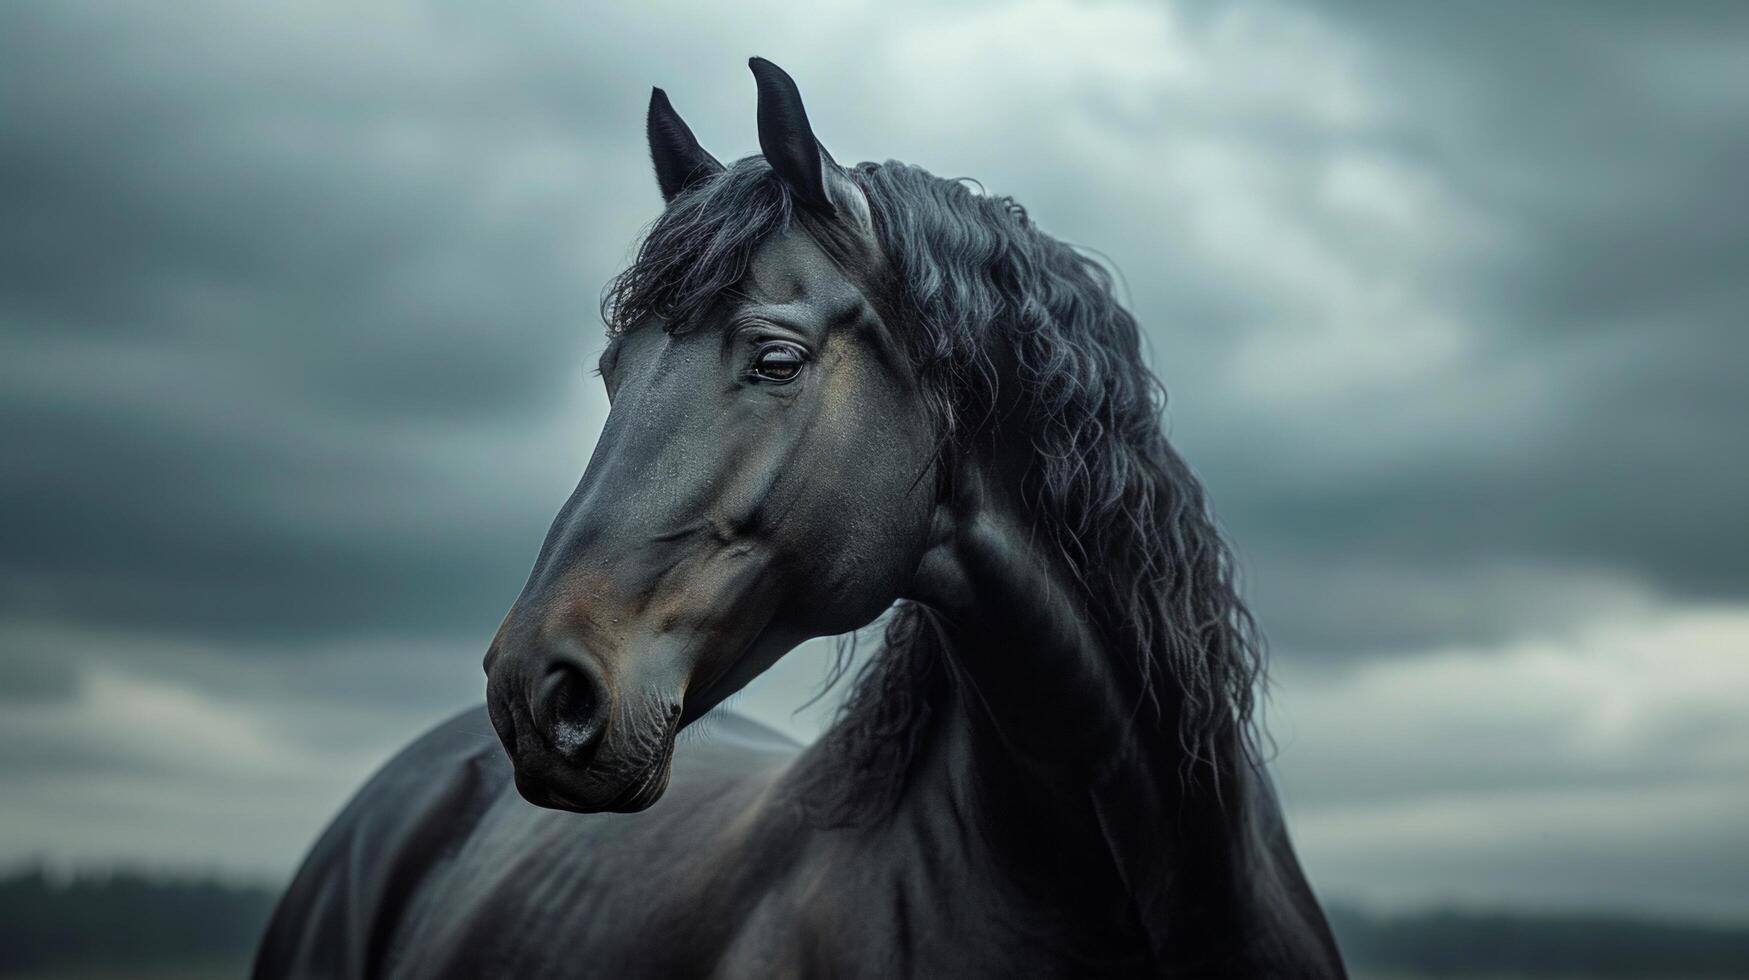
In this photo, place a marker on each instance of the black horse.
(838, 393)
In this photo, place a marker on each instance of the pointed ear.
(680, 161)
(787, 140)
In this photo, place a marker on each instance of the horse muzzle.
(569, 734)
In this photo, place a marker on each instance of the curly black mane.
(993, 308)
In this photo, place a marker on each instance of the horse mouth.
(639, 794)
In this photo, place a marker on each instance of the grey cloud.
(1606, 318)
(247, 340)
(32, 674)
(316, 229)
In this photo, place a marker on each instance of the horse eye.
(777, 363)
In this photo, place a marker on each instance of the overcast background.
(297, 304)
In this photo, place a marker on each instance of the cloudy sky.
(297, 305)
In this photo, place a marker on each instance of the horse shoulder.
(340, 913)
(437, 863)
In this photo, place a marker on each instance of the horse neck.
(1045, 740)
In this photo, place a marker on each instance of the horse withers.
(839, 393)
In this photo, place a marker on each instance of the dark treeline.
(1454, 943)
(130, 918)
(125, 918)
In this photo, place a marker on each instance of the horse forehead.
(792, 268)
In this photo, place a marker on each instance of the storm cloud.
(297, 307)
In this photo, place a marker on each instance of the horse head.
(764, 475)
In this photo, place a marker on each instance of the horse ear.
(787, 140)
(680, 161)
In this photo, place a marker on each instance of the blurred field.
(231, 969)
(1364, 975)
(220, 969)
(126, 926)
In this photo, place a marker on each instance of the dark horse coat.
(838, 392)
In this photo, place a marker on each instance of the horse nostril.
(571, 710)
